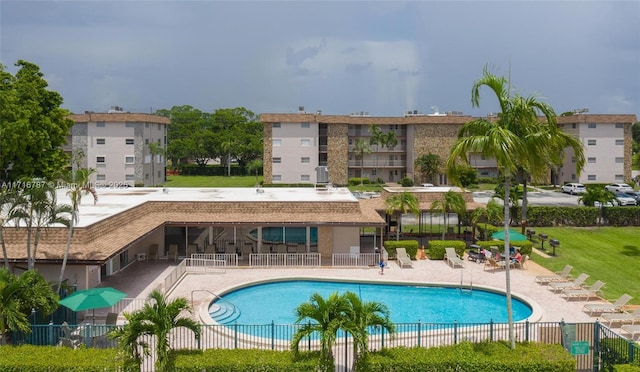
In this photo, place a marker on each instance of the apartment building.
(117, 145)
(314, 148)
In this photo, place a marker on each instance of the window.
(305, 177)
(592, 125)
(305, 160)
(573, 125)
(146, 176)
(159, 126)
(276, 125)
(591, 142)
(129, 159)
(159, 174)
(304, 125)
(619, 160)
(619, 142)
(619, 126)
(619, 177)
(277, 142)
(591, 160)
(159, 141)
(277, 177)
(101, 159)
(146, 141)
(101, 177)
(573, 159)
(130, 177)
(277, 160)
(146, 125)
(100, 141)
(128, 141)
(130, 125)
(305, 142)
(591, 177)
(100, 124)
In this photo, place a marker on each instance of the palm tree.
(361, 148)
(497, 139)
(78, 185)
(452, 202)
(400, 204)
(429, 166)
(597, 196)
(491, 212)
(154, 149)
(157, 318)
(389, 140)
(363, 315)
(324, 317)
(254, 167)
(377, 138)
(6, 214)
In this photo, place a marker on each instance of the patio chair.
(453, 259)
(496, 265)
(192, 249)
(615, 307)
(69, 339)
(587, 293)
(559, 276)
(633, 330)
(173, 252)
(210, 249)
(576, 284)
(522, 264)
(152, 254)
(403, 258)
(292, 248)
(632, 317)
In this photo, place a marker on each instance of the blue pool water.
(287, 234)
(276, 302)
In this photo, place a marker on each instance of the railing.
(174, 276)
(355, 259)
(230, 260)
(381, 163)
(202, 265)
(128, 305)
(285, 259)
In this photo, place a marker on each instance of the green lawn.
(610, 254)
(211, 181)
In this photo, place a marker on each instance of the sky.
(381, 57)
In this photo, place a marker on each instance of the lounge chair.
(559, 276)
(69, 339)
(112, 319)
(495, 265)
(453, 259)
(173, 252)
(587, 293)
(633, 330)
(576, 284)
(403, 258)
(615, 307)
(152, 254)
(623, 317)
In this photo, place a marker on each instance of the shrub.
(410, 245)
(357, 181)
(53, 359)
(245, 360)
(436, 248)
(406, 182)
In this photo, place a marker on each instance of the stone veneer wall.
(325, 241)
(338, 153)
(436, 139)
(138, 153)
(79, 140)
(628, 146)
(267, 171)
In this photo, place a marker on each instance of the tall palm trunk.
(525, 203)
(507, 185)
(4, 249)
(66, 255)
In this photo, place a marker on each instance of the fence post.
(419, 326)
(235, 335)
(632, 348)
(273, 335)
(596, 345)
(51, 342)
(526, 330)
(309, 338)
(455, 332)
(346, 351)
(491, 330)
(87, 334)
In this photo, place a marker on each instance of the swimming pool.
(296, 235)
(276, 302)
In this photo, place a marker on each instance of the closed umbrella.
(91, 299)
(514, 236)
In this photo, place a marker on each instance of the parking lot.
(548, 198)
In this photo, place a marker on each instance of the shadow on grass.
(631, 250)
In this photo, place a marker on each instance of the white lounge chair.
(403, 258)
(587, 293)
(576, 284)
(633, 330)
(615, 307)
(453, 259)
(623, 317)
(559, 276)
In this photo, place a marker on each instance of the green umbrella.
(91, 299)
(514, 236)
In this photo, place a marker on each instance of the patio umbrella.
(514, 236)
(92, 299)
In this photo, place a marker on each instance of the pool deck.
(138, 281)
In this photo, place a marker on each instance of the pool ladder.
(469, 284)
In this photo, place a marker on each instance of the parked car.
(573, 188)
(426, 185)
(618, 187)
(635, 195)
(624, 199)
(613, 203)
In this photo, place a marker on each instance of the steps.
(224, 312)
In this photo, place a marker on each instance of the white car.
(573, 188)
(624, 199)
(618, 187)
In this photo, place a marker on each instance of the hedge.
(437, 248)
(466, 356)
(526, 246)
(53, 359)
(410, 245)
(249, 360)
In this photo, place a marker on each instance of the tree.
(77, 183)
(452, 202)
(18, 296)
(33, 127)
(324, 317)
(490, 213)
(361, 148)
(361, 316)
(390, 140)
(254, 167)
(597, 196)
(400, 204)
(377, 138)
(155, 149)
(6, 214)
(496, 139)
(429, 167)
(157, 318)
